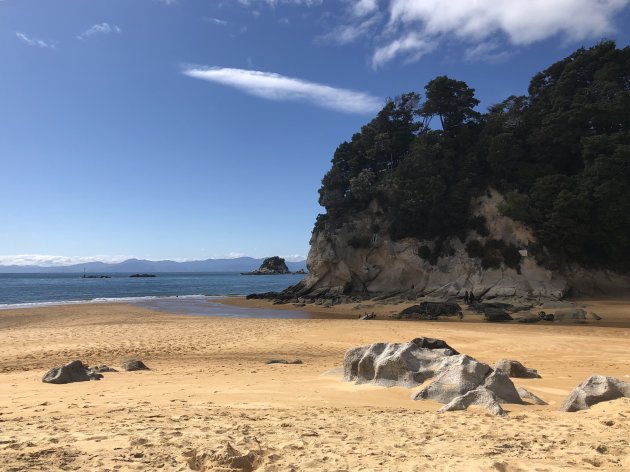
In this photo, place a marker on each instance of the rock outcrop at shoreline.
(458, 380)
(383, 267)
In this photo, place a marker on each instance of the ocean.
(24, 290)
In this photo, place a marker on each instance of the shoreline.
(614, 309)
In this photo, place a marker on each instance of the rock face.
(134, 364)
(75, 371)
(595, 389)
(383, 266)
(411, 364)
(516, 370)
(271, 266)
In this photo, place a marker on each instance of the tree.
(451, 100)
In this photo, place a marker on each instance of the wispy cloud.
(215, 21)
(275, 3)
(413, 46)
(277, 87)
(55, 261)
(102, 28)
(349, 33)
(489, 52)
(34, 42)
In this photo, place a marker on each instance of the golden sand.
(209, 385)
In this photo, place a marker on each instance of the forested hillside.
(560, 155)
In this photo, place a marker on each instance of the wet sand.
(209, 385)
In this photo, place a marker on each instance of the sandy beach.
(209, 385)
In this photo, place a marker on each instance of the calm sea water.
(19, 289)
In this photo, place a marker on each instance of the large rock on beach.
(595, 389)
(422, 359)
(480, 396)
(75, 371)
(516, 370)
(430, 310)
(134, 364)
(463, 373)
(396, 364)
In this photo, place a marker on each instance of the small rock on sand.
(516, 370)
(99, 369)
(283, 361)
(75, 371)
(526, 394)
(479, 396)
(134, 364)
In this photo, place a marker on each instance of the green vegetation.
(560, 155)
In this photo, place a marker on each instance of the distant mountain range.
(239, 264)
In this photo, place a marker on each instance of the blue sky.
(191, 129)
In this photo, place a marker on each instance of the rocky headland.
(520, 204)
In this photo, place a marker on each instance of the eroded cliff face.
(385, 267)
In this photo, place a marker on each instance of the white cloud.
(412, 45)
(273, 86)
(55, 261)
(294, 258)
(522, 21)
(33, 41)
(408, 29)
(364, 7)
(103, 28)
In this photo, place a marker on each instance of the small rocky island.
(272, 266)
(141, 275)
